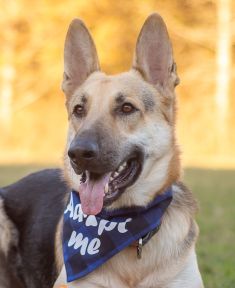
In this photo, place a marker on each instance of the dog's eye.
(79, 110)
(128, 108)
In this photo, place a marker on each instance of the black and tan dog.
(121, 143)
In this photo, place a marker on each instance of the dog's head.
(121, 147)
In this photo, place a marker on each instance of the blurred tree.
(31, 65)
(7, 71)
(223, 58)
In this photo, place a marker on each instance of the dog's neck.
(112, 231)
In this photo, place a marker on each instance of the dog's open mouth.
(98, 190)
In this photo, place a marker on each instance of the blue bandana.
(89, 241)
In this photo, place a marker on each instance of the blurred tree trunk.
(7, 68)
(6, 94)
(223, 70)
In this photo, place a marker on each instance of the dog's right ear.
(80, 57)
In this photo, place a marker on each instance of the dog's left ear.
(153, 54)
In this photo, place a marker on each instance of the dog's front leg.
(189, 276)
(61, 282)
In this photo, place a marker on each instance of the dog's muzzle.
(83, 152)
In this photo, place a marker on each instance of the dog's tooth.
(116, 174)
(106, 188)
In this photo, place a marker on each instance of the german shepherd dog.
(122, 144)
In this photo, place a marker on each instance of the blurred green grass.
(11, 173)
(214, 190)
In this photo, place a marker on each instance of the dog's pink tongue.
(92, 194)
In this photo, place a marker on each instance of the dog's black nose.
(83, 149)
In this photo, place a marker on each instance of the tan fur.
(8, 233)
(58, 246)
(169, 259)
(8, 239)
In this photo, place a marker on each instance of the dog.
(121, 153)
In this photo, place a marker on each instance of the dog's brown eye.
(79, 110)
(128, 108)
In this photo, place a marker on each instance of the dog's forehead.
(128, 84)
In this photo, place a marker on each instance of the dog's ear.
(153, 54)
(80, 56)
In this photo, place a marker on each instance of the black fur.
(35, 204)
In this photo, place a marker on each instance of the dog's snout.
(94, 151)
(83, 149)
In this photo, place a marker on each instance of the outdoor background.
(33, 118)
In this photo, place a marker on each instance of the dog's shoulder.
(40, 191)
(184, 199)
(181, 214)
(34, 205)
(8, 241)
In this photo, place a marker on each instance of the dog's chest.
(125, 270)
